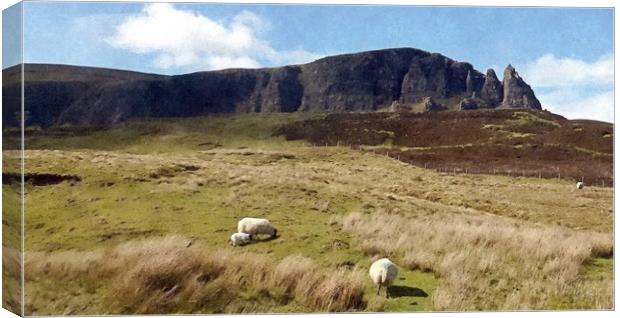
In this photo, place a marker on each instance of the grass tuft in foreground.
(166, 275)
(488, 263)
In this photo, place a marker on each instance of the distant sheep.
(239, 239)
(383, 273)
(579, 185)
(256, 226)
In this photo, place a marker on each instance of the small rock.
(431, 106)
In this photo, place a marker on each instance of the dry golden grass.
(306, 191)
(11, 277)
(487, 262)
(164, 275)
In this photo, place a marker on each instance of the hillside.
(398, 78)
(137, 217)
(510, 142)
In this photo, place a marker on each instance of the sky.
(565, 54)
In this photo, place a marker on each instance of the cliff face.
(367, 81)
(516, 92)
(492, 91)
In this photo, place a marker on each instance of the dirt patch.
(210, 145)
(38, 179)
(171, 171)
(125, 233)
(281, 156)
(336, 245)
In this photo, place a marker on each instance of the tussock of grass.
(160, 276)
(491, 263)
(11, 275)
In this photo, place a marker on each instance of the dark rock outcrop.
(492, 91)
(431, 106)
(472, 103)
(469, 84)
(398, 107)
(517, 93)
(366, 81)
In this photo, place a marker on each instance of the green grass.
(134, 187)
(178, 135)
(598, 269)
(526, 119)
(412, 300)
(11, 216)
(11, 236)
(109, 207)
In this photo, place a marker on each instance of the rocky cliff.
(366, 81)
(516, 92)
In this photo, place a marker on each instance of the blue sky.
(565, 54)
(11, 35)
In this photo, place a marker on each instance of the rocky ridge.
(368, 81)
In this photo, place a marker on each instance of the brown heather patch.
(513, 142)
(489, 263)
(160, 276)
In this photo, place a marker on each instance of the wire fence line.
(489, 170)
(524, 173)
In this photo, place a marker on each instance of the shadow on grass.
(406, 291)
(258, 240)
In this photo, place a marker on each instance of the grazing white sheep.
(239, 239)
(256, 226)
(383, 273)
(579, 185)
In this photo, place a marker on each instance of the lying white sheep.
(383, 273)
(239, 239)
(256, 226)
(579, 185)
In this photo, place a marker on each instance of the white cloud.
(550, 71)
(574, 88)
(186, 39)
(580, 104)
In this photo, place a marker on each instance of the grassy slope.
(136, 184)
(11, 239)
